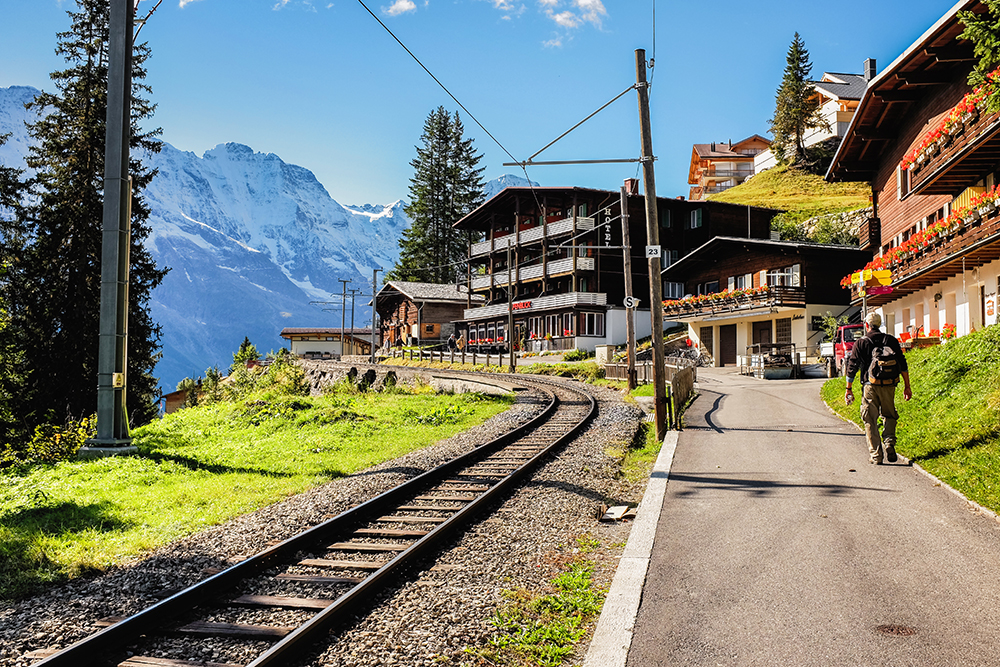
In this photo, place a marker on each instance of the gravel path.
(430, 618)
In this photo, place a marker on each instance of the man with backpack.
(880, 359)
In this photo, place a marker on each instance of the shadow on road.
(758, 487)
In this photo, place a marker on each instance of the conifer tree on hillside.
(58, 317)
(446, 185)
(796, 108)
(984, 31)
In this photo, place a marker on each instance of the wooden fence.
(680, 375)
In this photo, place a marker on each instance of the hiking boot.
(875, 461)
(890, 453)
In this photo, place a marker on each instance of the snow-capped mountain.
(251, 243)
(495, 186)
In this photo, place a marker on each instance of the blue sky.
(322, 85)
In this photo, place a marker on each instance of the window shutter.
(796, 275)
(763, 277)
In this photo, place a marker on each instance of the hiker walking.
(880, 360)
(451, 343)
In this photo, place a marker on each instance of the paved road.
(779, 544)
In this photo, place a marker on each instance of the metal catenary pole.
(652, 240)
(343, 313)
(629, 307)
(510, 313)
(374, 312)
(112, 422)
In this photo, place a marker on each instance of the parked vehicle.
(835, 352)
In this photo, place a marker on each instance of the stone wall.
(323, 373)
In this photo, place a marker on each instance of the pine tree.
(796, 107)
(12, 240)
(59, 315)
(984, 32)
(446, 185)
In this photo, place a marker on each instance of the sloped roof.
(726, 150)
(323, 331)
(429, 291)
(715, 248)
(840, 86)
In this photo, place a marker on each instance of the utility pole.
(112, 421)
(510, 312)
(343, 313)
(629, 302)
(374, 315)
(353, 293)
(652, 241)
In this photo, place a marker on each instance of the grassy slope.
(951, 427)
(804, 194)
(202, 466)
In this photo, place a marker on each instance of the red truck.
(835, 353)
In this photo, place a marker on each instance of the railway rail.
(318, 579)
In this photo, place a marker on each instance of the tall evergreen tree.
(796, 108)
(12, 240)
(59, 316)
(446, 185)
(984, 32)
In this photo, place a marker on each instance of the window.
(500, 332)
(567, 324)
(696, 218)
(665, 218)
(552, 325)
(741, 282)
(902, 182)
(673, 290)
(429, 328)
(592, 324)
(783, 330)
(491, 332)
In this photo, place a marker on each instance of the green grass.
(202, 466)
(951, 427)
(542, 629)
(803, 194)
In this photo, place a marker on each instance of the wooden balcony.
(958, 160)
(531, 235)
(533, 272)
(736, 305)
(972, 245)
(541, 303)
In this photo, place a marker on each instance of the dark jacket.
(861, 355)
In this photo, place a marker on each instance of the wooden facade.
(944, 258)
(420, 313)
(565, 274)
(719, 166)
(745, 291)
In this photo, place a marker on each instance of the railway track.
(308, 584)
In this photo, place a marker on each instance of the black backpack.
(885, 366)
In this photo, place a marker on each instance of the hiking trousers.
(879, 400)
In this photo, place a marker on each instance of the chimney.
(713, 146)
(632, 186)
(869, 69)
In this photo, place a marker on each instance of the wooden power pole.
(652, 246)
(629, 299)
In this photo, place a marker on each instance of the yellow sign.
(867, 276)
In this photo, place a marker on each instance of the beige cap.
(874, 320)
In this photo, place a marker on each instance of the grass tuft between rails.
(202, 466)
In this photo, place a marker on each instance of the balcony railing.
(533, 272)
(541, 303)
(734, 304)
(725, 174)
(556, 228)
(935, 169)
(973, 239)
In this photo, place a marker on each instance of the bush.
(51, 443)
(576, 355)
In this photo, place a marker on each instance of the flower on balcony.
(567, 332)
(948, 331)
(954, 120)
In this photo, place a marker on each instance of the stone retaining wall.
(325, 373)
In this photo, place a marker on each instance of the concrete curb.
(613, 635)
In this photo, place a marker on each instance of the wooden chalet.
(932, 156)
(326, 342)
(744, 291)
(717, 167)
(553, 257)
(421, 313)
